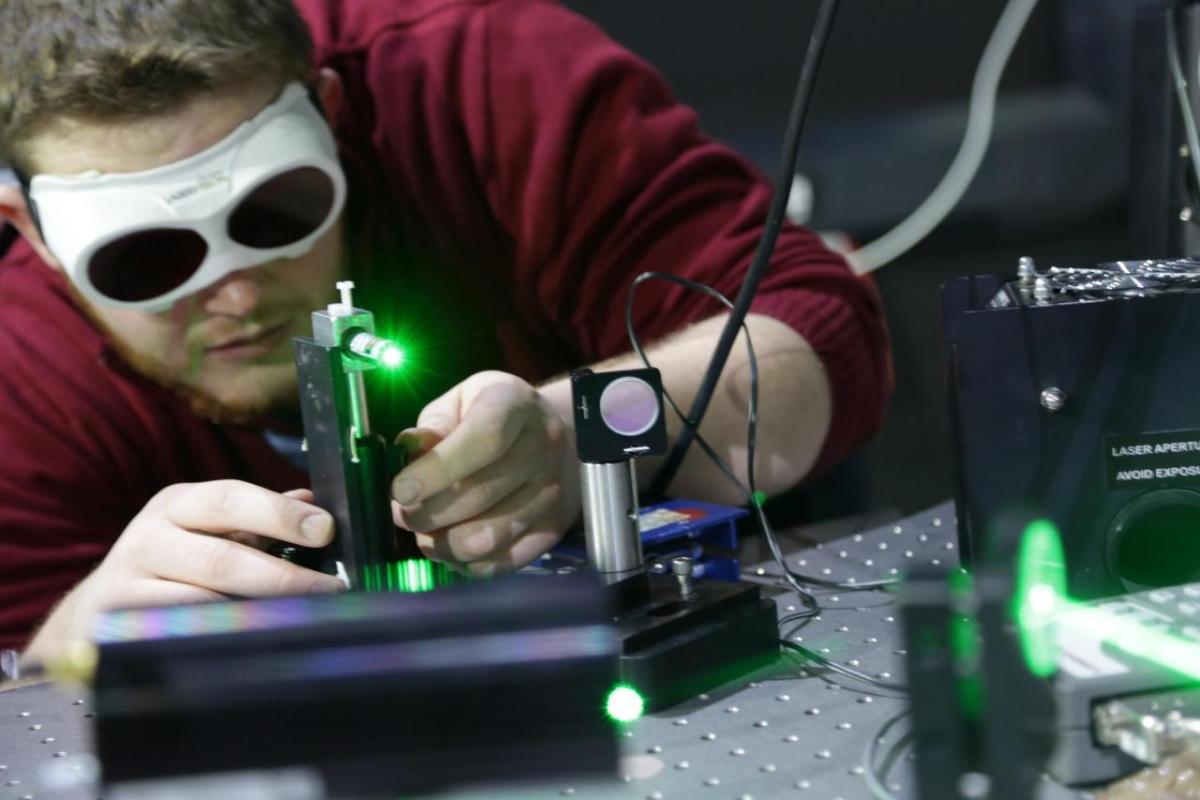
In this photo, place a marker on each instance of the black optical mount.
(351, 467)
(679, 636)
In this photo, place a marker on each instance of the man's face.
(227, 347)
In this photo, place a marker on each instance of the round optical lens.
(146, 264)
(629, 406)
(283, 210)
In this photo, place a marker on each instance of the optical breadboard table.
(793, 731)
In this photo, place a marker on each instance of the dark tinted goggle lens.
(283, 210)
(146, 264)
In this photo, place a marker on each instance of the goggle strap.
(25, 182)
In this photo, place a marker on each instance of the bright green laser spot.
(1041, 593)
(760, 498)
(391, 357)
(624, 704)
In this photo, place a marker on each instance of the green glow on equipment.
(410, 575)
(1041, 593)
(1169, 651)
(375, 349)
(963, 639)
(624, 704)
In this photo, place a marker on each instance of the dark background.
(887, 118)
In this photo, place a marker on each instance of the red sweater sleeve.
(517, 128)
(65, 485)
(84, 444)
(599, 174)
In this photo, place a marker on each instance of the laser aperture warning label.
(1153, 460)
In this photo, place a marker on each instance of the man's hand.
(193, 543)
(1176, 778)
(497, 483)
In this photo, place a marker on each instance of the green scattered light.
(1169, 651)
(1041, 593)
(760, 498)
(624, 704)
(963, 641)
(411, 575)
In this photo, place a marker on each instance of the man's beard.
(203, 404)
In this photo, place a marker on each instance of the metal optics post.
(679, 637)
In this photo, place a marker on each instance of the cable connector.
(1149, 737)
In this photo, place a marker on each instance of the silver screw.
(1026, 271)
(683, 566)
(1053, 399)
(1186, 214)
(1041, 290)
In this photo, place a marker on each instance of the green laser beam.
(1166, 649)
(1041, 581)
(1042, 607)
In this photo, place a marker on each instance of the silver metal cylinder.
(610, 510)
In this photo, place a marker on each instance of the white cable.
(980, 114)
(1183, 95)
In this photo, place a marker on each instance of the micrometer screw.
(1026, 271)
(1053, 399)
(683, 567)
(1041, 290)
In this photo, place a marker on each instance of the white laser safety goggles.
(143, 240)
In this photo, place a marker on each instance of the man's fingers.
(540, 538)
(491, 426)
(442, 414)
(435, 547)
(476, 493)
(418, 441)
(523, 551)
(511, 519)
(228, 506)
(148, 592)
(220, 565)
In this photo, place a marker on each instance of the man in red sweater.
(498, 172)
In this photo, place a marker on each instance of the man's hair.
(116, 60)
